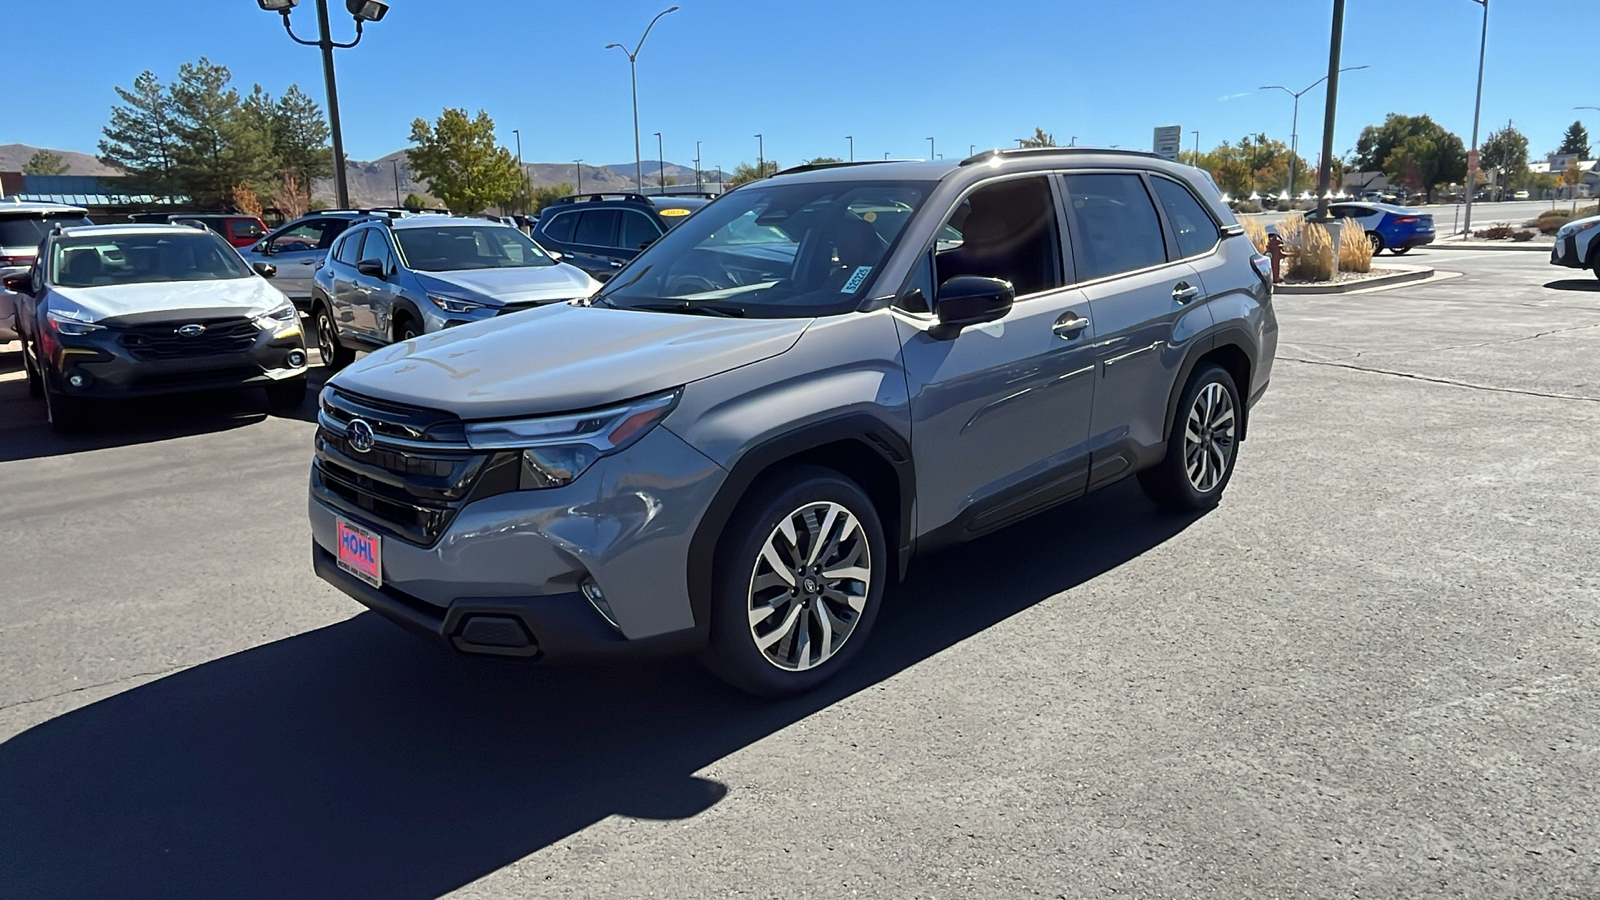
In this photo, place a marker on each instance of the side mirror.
(556, 255)
(372, 268)
(264, 248)
(968, 300)
(265, 269)
(20, 283)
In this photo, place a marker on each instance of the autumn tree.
(461, 161)
(45, 163)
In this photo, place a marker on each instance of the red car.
(240, 231)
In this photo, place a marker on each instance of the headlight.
(455, 305)
(281, 321)
(64, 324)
(557, 449)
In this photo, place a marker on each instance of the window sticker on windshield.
(856, 279)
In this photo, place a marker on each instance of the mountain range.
(374, 183)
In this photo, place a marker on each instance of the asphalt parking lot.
(1371, 673)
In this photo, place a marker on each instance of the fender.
(873, 434)
(1222, 336)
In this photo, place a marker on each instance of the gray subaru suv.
(740, 442)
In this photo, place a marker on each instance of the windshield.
(773, 251)
(104, 259)
(28, 231)
(450, 248)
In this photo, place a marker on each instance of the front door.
(376, 293)
(1000, 413)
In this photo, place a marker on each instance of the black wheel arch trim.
(1224, 336)
(875, 435)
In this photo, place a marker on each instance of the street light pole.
(697, 182)
(396, 183)
(1335, 46)
(852, 139)
(580, 176)
(661, 166)
(1196, 148)
(931, 154)
(761, 157)
(1477, 108)
(362, 12)
(1294, 123)
(522, 176)
(633, 74)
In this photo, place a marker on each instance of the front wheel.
(68, 415)
(1202, 446)
(1400, 251)
(35, 381)
(334, 354)
(800, 574)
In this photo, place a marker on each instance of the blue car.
(1393, 228)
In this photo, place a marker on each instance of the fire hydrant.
(1275, 250)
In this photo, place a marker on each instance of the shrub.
(1315, 260)
(1548, 224)
(1355, 251)
(1256, 232)
(1522, 234)
(1247, 206)
(1556, 214)
(1496, 233)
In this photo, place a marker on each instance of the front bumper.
(624, 526)
(108, 369)
(1565, 253)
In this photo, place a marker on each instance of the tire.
(801, 501)
(405, 330)
(1176, 483)
(67, 415)
(1400, 251)
(35, 382)
(1376, 240)
(287, 394)
(334, 354)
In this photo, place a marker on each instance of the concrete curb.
(1405, 274)
(1526, 246)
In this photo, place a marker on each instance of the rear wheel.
(334, 354)
(1202, 446)
(287, 394)
(35, 383)
(799, 578)
(1376, 240)
(1399, 251)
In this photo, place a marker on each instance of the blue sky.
(806, 75)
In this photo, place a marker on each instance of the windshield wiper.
(686, 306)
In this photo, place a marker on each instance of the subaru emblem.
(192, 330)
(359, 434)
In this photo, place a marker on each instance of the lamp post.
(362, 11)
(522, 176)
(396, 183)
(1294, 127)
(1335, 47)
(580, 176)
(1477, 108)
(931, 154)
(633, 72)
(661, 166)
(852, 139)
(697, 181)
(761, 157)
(972, 149)
(1196, 148)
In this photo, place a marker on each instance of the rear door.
(1146, 306)
(346, 300)
(376, 293)
(594, 242)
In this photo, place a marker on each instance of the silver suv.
(744, 438)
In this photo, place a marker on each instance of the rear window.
(245, 228)
(29, 230)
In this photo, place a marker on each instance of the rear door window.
(244, 229)
(1115, 226)
(560, 227)
(1196, 231)
(596, 228)
(637, 230)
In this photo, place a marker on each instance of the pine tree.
(220, 143)
(45, 163)
(300, 138)
(1576, 140)
(139, 139)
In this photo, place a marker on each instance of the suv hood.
(227, 296)
(528, 284)
(561, 357)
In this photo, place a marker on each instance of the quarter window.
(637, 230)
(1116, 228)
(597, 228)
(560, 227)
(1196, 232)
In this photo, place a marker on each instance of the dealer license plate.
(361, 553)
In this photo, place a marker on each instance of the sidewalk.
(1540, 244)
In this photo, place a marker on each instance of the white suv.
(1578, 245)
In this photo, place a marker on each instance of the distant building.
(106, 197)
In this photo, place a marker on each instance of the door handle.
(1070, 325)
(1183, 292)
(616, 263)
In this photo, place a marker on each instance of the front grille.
(162, 341)
(411, 489)
(191, 378)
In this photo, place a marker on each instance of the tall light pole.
(580, 176)
(362, 11)
(697, 181)
(522, 176)
(633, 72)
(972, 149)
(1335, 47)
(396, 183)
(1477, 108)
(852, 139)
(661, 166)
(931, 154)
(761, 157)
(1196, 148)
(1294, 128)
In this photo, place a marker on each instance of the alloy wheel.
(809, 586)
(325, 340)
(1208, 437)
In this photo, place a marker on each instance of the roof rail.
(814, 167)
(1004, 153)
(595, 198)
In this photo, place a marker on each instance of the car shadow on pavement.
(1574, 284)
(357, 762)
(25, 433)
